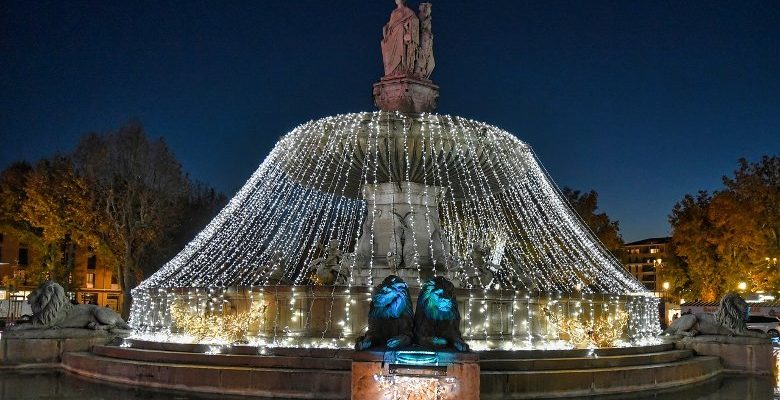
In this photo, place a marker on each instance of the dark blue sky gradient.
(642, 101)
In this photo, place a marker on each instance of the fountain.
(342, 202)
(269, 299)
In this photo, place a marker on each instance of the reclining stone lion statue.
(52, 310)
(729, 320)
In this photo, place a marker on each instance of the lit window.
(89, 298)
(90, 280)
(654, 251)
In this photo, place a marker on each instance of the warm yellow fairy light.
(398, 387)
(605, 331)
(229, 328)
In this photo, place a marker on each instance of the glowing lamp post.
(742, 286)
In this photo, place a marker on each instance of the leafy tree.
(607, 230)
(140, 190)
(692, 236)
(727, 237)
(59, 207)
(13, 180)
(675, 271)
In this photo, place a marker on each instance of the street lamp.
(742, 286)
(666, 285)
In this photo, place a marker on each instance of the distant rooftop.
(660, 240)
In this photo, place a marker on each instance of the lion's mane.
(437, 319)
(732, 312)
(49, 304)
(390, 317)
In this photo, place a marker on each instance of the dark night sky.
(642, 101)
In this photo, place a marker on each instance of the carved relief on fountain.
(407, 240)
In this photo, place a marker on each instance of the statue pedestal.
(422, 372)
(405, 94)
(738, 354)
(47, 346)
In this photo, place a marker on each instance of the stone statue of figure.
(326, 268)
(275, 272)
(482, 274)
(425, 61)
(401, 39)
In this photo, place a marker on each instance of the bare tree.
(140, 191)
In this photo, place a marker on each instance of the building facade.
(92, 280)
(642, 259)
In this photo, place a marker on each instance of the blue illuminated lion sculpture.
(437, 319)
(390, 317)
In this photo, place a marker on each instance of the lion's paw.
(398, 341)
(363, 344)
(460, 346)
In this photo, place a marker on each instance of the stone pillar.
(407, 238)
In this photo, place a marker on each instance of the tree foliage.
(119, 195)
(730, 236)
(13, 180)
(58, 206)
(607, 230)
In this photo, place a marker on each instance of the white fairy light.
(477, 184)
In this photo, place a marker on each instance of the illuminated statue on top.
(407, 44)
(425, 62)
(401, 40)
(407, 54)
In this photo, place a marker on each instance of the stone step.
(549, 364)
(596, 381)
(241, 349)
(573, 353)
(277, 382)
(228, 360)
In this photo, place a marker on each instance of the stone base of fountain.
(300, 373)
